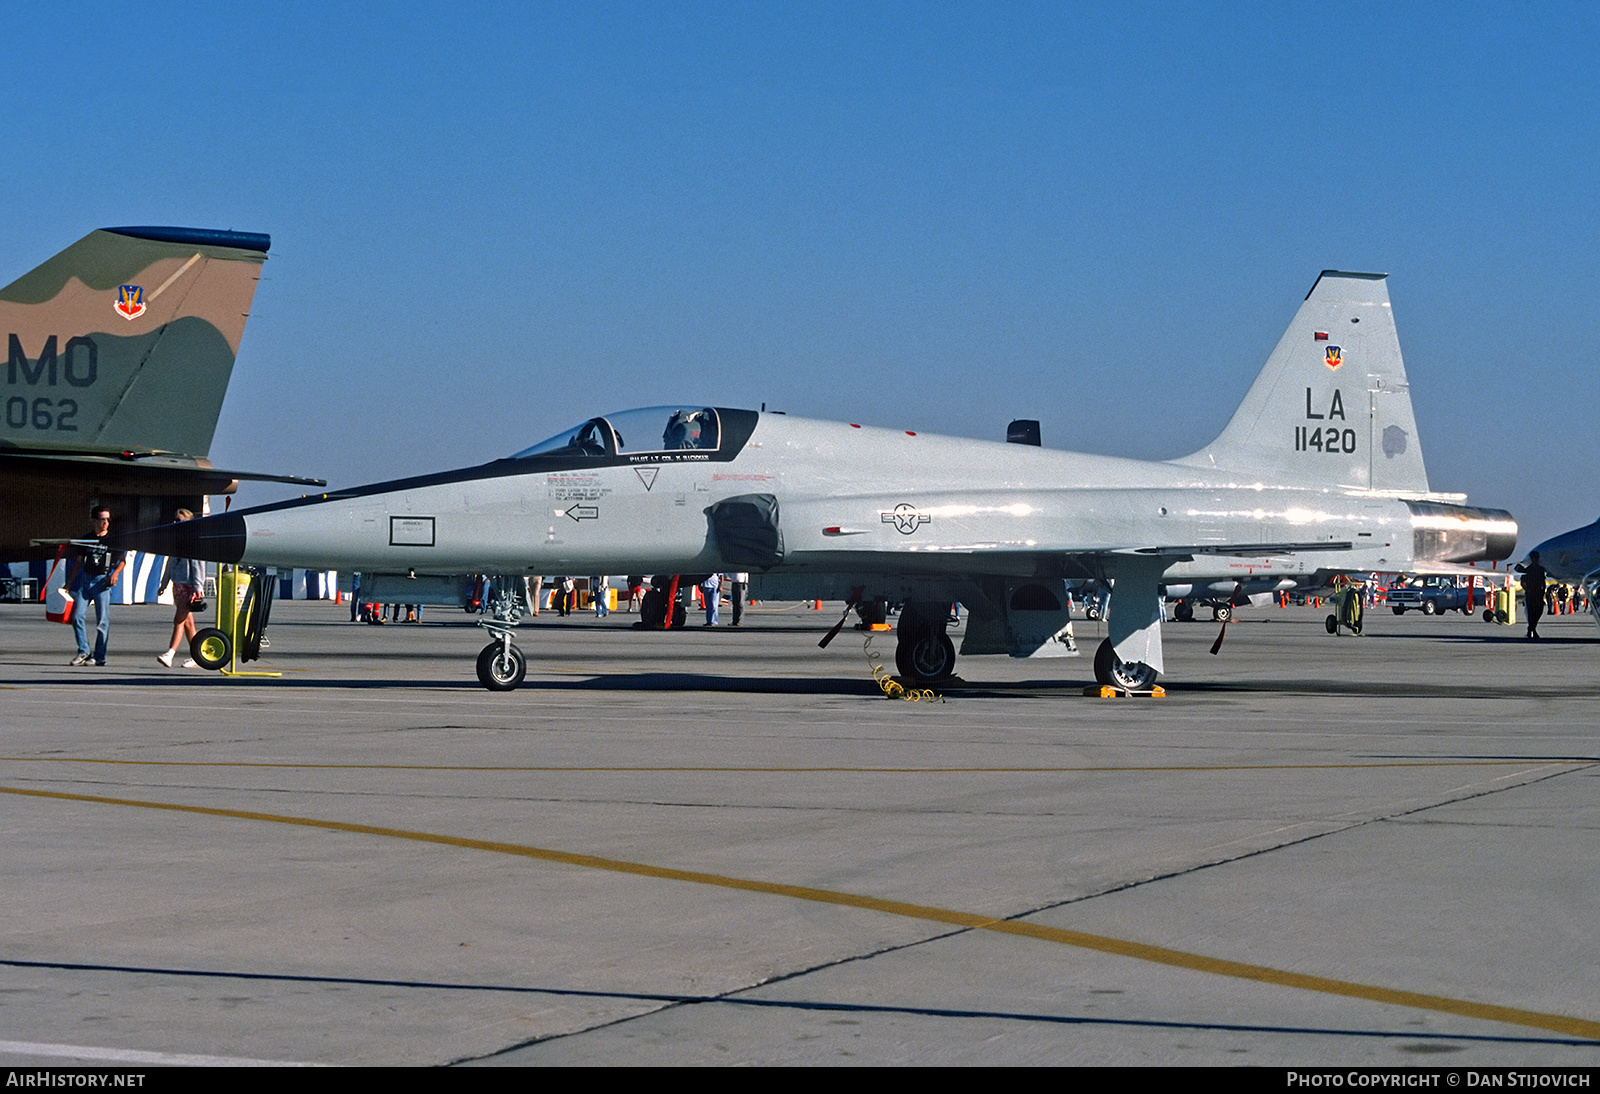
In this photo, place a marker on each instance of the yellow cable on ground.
(892, 688)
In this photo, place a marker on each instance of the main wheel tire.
(653, 608)
(211, 648)
(933, 656)
(902, 656)
(1111, 671)
(1183, 612)
(1430, 607)
(923, 653)
(501, 667)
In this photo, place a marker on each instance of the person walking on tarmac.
(1533, 582)
(90, 579)
(187, 576)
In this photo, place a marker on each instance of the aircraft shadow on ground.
(862, 686)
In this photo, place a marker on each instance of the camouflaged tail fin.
(126, 340)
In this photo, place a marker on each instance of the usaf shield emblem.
(130, 301)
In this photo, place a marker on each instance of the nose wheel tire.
(501, 667)
(1112, 671)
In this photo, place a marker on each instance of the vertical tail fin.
(1332, 406)
(126, 339)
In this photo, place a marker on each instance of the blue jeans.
(89, 589)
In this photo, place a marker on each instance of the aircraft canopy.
(631, 432)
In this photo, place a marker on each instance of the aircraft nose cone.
(211, 539)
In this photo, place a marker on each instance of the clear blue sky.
(492, 220)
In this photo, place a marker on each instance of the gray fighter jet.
(1573, 558)
(1318, 471)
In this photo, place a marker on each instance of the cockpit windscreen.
(634, 432)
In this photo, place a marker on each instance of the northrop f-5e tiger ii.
(1318, 471)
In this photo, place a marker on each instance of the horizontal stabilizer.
(154, 461)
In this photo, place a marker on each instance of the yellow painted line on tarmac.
(1574, 1027)
(800, 770)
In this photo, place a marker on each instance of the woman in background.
(187, 576)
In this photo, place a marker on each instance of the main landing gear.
(924, 651)
(1133, 627)
(653, 611)
(1111, 671)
